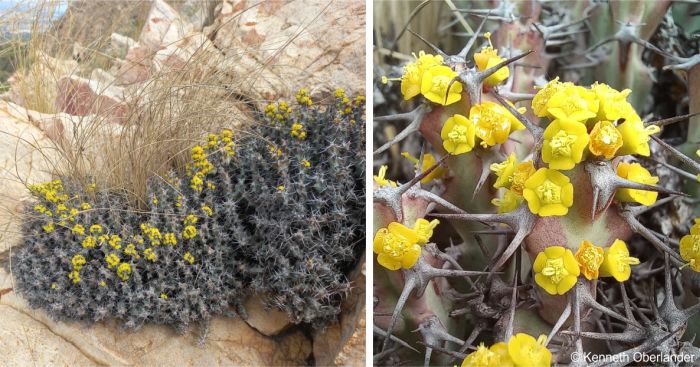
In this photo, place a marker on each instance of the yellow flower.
(428, 161)
(381, 180)
(503, 359)
(190, 219)
(170, 239)
(410, 81)
(548, 192)
(189, 232)
(504, 171)
(564, 142)
(635, 136)
(424, 230)
(207, 210)
(89, 242)
(163, 296)
(573, 100)
(636, 173)
(494, 123)
(188, 257)
(589, 258)
(49, 227)
(413, 73)
(54, 285)
(115, 241)
(280, 188)
(74, 276)
(306, 163)
(690, 246)
(396, 246)
(613, 104)
(439, 85)
(539, 102)
(112, 260)
(488, 58)
(102, 283)
(605, 139)
(150, 255)
(556, 270)
(124, 271)
(496, 356)
(617, 261)
(131, 251)
(78, 261)
(522, 172)
(458, 135)
(96, 228)
(525, 351)
(508, 203)
(85, 206)
(303, 97)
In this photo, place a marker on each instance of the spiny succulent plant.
(525, 234)
(277, 210)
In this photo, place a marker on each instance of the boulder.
(269, 322)
(26, 157)
(81, 97)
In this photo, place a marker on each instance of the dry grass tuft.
(121, 146)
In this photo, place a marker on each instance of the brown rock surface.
(343, 344)
(33, 338)
(285, 46)
(268, 322)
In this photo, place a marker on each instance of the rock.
(163, 26)
(198, 12)
(26, 155)
(268, 322)
(81, 97)
(290, 45)
(343, 343)
(120, 44)
(29, 335)
(36, 88)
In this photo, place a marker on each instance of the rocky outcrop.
(289, 45)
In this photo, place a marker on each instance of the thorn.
(416, 116)
(435, 48)
(672, 120)
(378, 330)
(490, 71)
(463, 54)
(676, 153)
(535, 130)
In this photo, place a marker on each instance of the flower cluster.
(522, 350)
(398, 246)
(428, 76)
(598, 118)
(557, 268)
